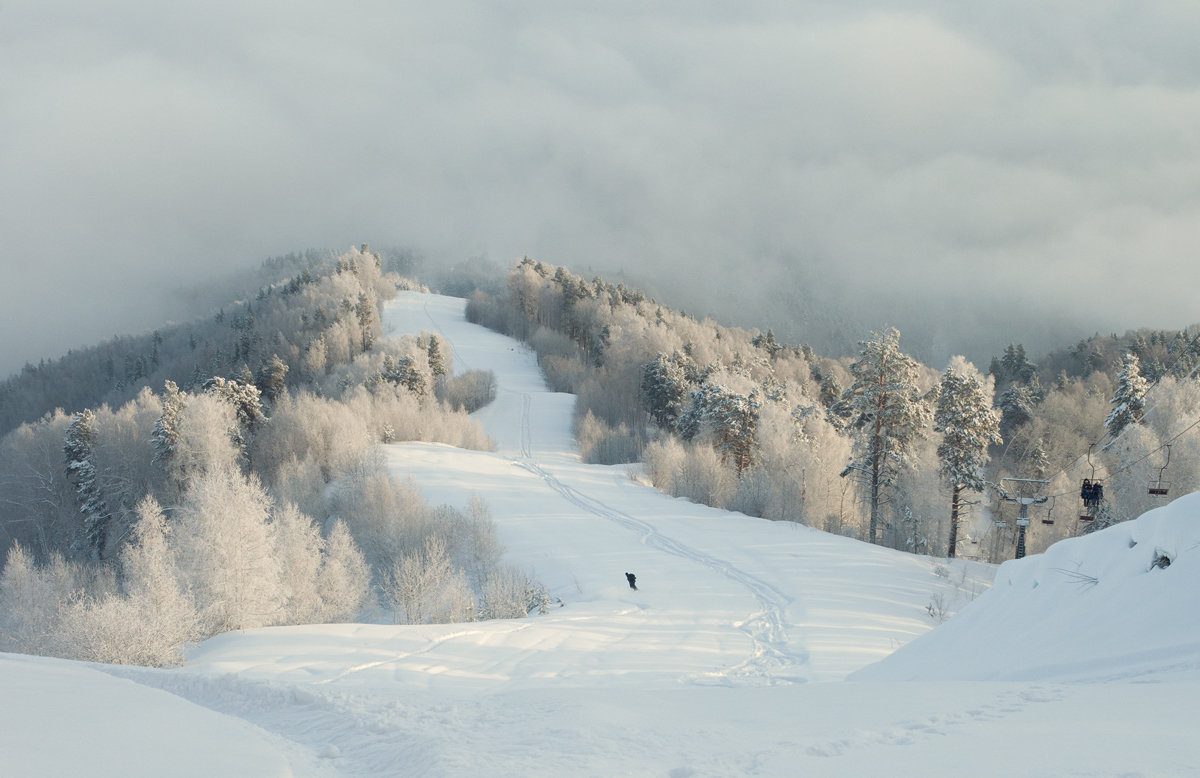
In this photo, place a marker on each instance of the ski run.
(749, 647)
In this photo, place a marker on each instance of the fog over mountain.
(970, 174)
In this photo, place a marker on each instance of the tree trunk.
(876, 476)
(953, 543)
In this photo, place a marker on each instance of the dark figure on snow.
(632, 581)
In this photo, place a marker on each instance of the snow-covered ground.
(731, 658)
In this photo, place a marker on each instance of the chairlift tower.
(1028, 491)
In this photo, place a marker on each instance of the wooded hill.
(874, 445)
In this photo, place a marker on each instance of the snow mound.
(1118, 604)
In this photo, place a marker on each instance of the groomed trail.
(728, 660)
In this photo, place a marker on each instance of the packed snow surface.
(731, 657)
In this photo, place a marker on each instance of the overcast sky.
(1026, 156)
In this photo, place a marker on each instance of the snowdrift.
(1118, 604)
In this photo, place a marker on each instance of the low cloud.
(1033, 168)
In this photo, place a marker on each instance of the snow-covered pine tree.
(1016, 406)
(167, 431)
(79, 450)
(724, 418)
(886, 413)
(1129, 400)
(272, 378)
(437, 362)
(665, 387)
(246, 400)
(968, 424)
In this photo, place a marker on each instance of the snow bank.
(69, 718)
(1117, 604)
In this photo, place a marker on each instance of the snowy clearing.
(729, 659)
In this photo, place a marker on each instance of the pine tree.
(272, 378)
(246, 400)
(1129, 401)
(886, 413)
(968, 425)
(79, 450)
(665, 387)
(437, 362)
(167, 432)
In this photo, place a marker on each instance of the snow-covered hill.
(729, 659)
(1120, 605)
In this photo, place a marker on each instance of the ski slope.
(731, 658)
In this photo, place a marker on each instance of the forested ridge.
(874, 445)
(225, 473)
(240, 484)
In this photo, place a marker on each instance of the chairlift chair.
(1048, 519)
(1161, 487)
(1089, 491)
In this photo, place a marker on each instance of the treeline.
(249, 496)
(875, 445)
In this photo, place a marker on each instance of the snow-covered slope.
(1115, 605)
(728, 660)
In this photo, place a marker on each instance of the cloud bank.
(1008, 165)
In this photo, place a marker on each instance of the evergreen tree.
(272, 378)
(1016, 406)
(968, 425)
(167, 432)
(726, 419)
(79, 450)
(1129, 401)
(246, 400)
(887, 415)
(437, 362)
(665, 387)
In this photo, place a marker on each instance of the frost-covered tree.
(427, 589)
(299, 547)
(33, 600)
(1129, 401)
(968, 424)
(167, 432)
(79, 450)
(152, 619)
(1016, 405)
(246, 400)
(725, 419)
(272, 378)
(437, 362)
(345, 577)
(665, 388)
(886, 416)
(227, 550)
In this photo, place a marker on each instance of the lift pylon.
(1026, 492)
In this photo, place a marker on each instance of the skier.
(632, 581)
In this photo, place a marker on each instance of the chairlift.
(1091, 492)
(1161, 487)
(1048, 519)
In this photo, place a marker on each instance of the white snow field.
(730, 659)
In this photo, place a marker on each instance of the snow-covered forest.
(241, 484)
(873, 445)
(249, 441)
(245, 449)
(727, 659)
